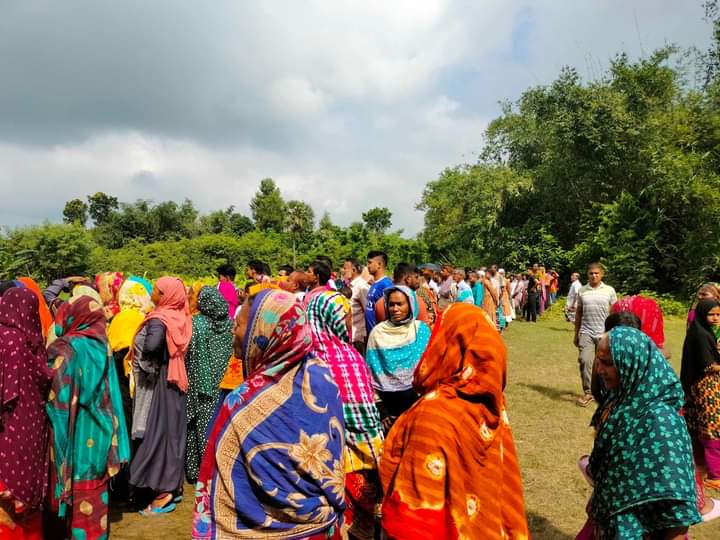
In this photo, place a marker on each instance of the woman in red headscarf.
(449, 468)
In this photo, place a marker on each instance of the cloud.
(346, 104)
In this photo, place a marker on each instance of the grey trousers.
(586, 357)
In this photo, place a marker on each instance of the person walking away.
(377, 266)
(531, 303)
(352, 270)
(593, 306)
(572, 297)
(639, 432)
(206, 360)
(24, 428)
(160, 401)
(89, 439)
(450, 468)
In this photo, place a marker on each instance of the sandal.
(585, 400)
(168, 507)
(714, 513)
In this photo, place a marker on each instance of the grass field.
(551, 432)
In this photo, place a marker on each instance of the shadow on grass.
(552, 393)
(567, 328)
(542, 529)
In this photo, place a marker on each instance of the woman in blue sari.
(273, 467)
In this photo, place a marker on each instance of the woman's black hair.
(622, 318)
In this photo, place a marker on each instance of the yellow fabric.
(123, 327)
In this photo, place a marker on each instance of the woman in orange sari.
(449, 468)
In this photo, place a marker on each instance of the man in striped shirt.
(594, 301)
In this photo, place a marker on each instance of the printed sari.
(273, 467)
(89, 439)
(363, 430)
(450, 469)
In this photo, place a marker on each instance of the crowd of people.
(338, 402)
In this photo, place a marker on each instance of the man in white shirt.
(594, 301)
(572, 297)
(352, 272)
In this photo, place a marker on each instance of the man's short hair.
(356, 264)
(403, 270)
(597, 265)
(325, 259)
(227, 270)
(321, 270)
(380, 254)
(288, 269)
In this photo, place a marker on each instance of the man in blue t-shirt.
(376, 265)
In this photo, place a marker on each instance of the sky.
(347, 105)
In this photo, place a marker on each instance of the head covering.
(5, 285)
(108, 285)
(331, 343)
(450, 468)
(193, 297)
(46, 318)
(172, 310)
(700, 347)
(24, 380)
(641, 435)
(229, 293)
(286, 417)
(649, 313)
(134, 301)
(394, 349)
(85, 290)
(206, 360)
(84, 375)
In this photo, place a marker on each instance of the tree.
(101, 207)
(268, 207)
(300, 220)
(75, 211)
(377, 220)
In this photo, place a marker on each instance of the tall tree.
(75, 211)
(268, 207)
(377, 220)
(101, 207)
(300, 220)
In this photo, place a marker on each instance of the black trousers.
(531, 307)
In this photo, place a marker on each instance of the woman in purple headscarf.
(24, 382)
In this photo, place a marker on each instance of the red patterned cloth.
(649, 313)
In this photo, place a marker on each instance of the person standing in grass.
(641, 465)
(593, 306)
(449, 468)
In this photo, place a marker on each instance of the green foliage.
(45, 252)
(377, 220)
(101, 207)
(268, 207)
(75, 211)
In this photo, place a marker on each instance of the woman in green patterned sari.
(206, 360)
(641, 465)
(89, 437)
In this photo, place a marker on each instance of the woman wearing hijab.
(160, 400)
(327, 314)
(649, 313)
(700, 376)
(394, 349)
(134, 301)
(24, 382)
(108, 285)
(273, 467)
(46, 318)
(193, 292)
(449, 468)
(90, 442)
(706, 291)
(206, 360)
(641, 465)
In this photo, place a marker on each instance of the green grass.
(551, 433)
